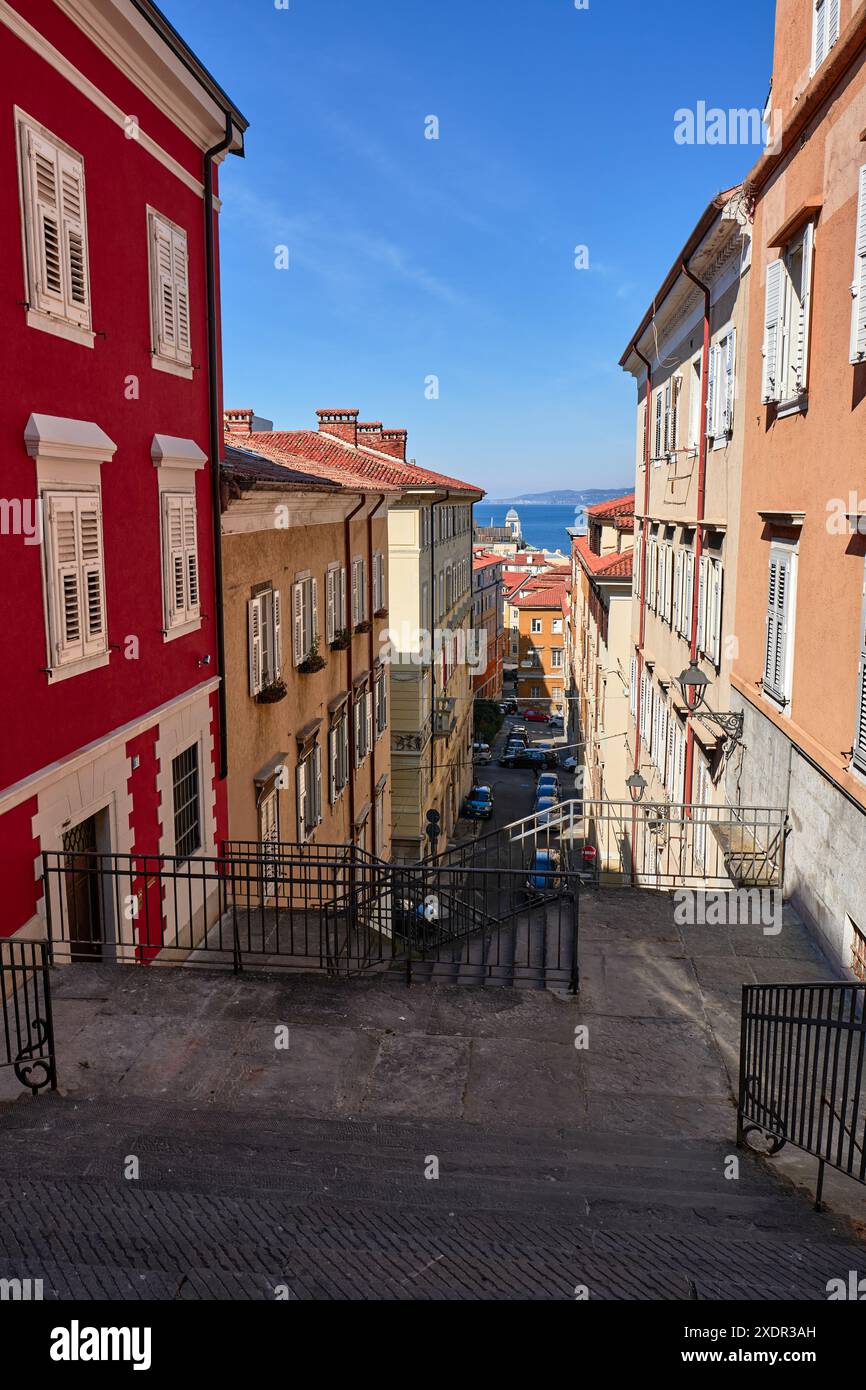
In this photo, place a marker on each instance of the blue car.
(479, 804)
(544, 875)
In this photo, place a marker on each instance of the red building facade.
(109, 625)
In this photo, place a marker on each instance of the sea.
(544, 524)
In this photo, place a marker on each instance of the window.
(535, 691)
(557, 625)
(860, 732)
(265, 639)
(187, 819)
(335, 582)
(683, 592)
(363, 716)
(379, 815)
(269, 838)
(179, 560)
(55, 233)
(338, 755)
(309, 792)
(557, 656)
(536, 624)
(786, 321)
(75, 578)
(858, 284)
(825, 30)
(632, 688)
(710, 608)
(305, 618)
(378, 582)
(672, 410)
(659, 431)
(721, 388)
(381, 690)
(359, 590)
(780, 613)
(169, 294)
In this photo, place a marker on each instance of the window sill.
(799, 406)
(167, 364)
(782, 705)
(61, 328)
(78, 668)
(182, 630)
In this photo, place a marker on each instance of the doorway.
(83, 891)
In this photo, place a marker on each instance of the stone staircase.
(247, 1204)
(532, 949)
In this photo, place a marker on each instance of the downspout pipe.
(372, 649)
(433, 507)
(350, 665)
(216, 433)
(701, 508)
(643, 549)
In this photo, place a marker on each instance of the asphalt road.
(513, 787)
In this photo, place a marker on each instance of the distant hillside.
(566, 497)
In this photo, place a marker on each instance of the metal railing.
(802, 1051)
(658, 845)
(338, 911)
(26, 1024)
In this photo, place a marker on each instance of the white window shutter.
(180, 280)
(777, 624)
(46, 230)
(667, 444)
(713, 387)
(65, 591)
(658, 438)
(702, 602)
(298, 652)
(344, 737)
(314, 611)
(819, 33)
(173, 552)
(254, 628)
(74, 233)
(163, 289)
(355, 594)
(675, 412)
(716, 644)
(368, 715)
(342, 598)
(832, 24)
(771, 388)
(277, 610)
(330, 604)
(301, 784)
(729, 367)
(190, 556)
(860, 731)
(317, 785)
(690, 590)
(858, 284)
(801, 351)
(669, 598)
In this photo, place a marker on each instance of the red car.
(536, 716)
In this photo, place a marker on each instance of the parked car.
(568, 764)
(479, 804)
(556, 721)
(481, 753)
(544, 872)
(508, 707)
(543, 802)
(536, 716)
(518, 731)
(525, 757)
(548, 784)
(518, 738)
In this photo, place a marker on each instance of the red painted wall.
(56, 377)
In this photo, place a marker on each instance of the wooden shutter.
(333, 748)
(344, 749)
(162, 289)
(728, 363)
(667, 444)
(254, 631)
(819, 34)
(658, 439)
(46, 237)
(772, 387)
(777, 624)
(675, 411)
(175, 580)
(860, 731)
(298, 652)
(669, 595)
(314, 611)
(190, 556)
(331, 580)
(368, 718)
(858, 284)
(276, 611)
(832, 24)
(74, 239)
(801, 351)
(316, 771)
(664, 719)
(301, 788)
(716, 621)
(355, 593)
(180, 280)
(702, 603)
(713, 387)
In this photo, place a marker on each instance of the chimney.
(238, 421)
(342, 423)
(393, 442)
(370, 433)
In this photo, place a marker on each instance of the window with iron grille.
(187, 816)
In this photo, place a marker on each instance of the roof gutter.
(215, 429)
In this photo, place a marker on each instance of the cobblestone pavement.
(311, 1167)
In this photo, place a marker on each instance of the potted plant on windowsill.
(272, 693)
(381, 613)
(340, 640)
(363, 626)
(313, 661)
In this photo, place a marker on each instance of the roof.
(615, 508)
(247, 466)
(166, 30)
(351, 464)
(480, 562)
(616, 566)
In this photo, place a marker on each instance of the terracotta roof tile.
(616, 566)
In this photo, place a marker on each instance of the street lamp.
(694, 683)
(637, 786)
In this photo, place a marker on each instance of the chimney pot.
(341, 423)
(393, 442)
(238, 421)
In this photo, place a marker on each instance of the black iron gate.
(27, 1031)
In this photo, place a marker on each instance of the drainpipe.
(433, 507)
(643, 550)
(372, 648)
(216, 435)
(701, 505)
(350, 665)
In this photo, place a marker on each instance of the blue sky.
(412, 257)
